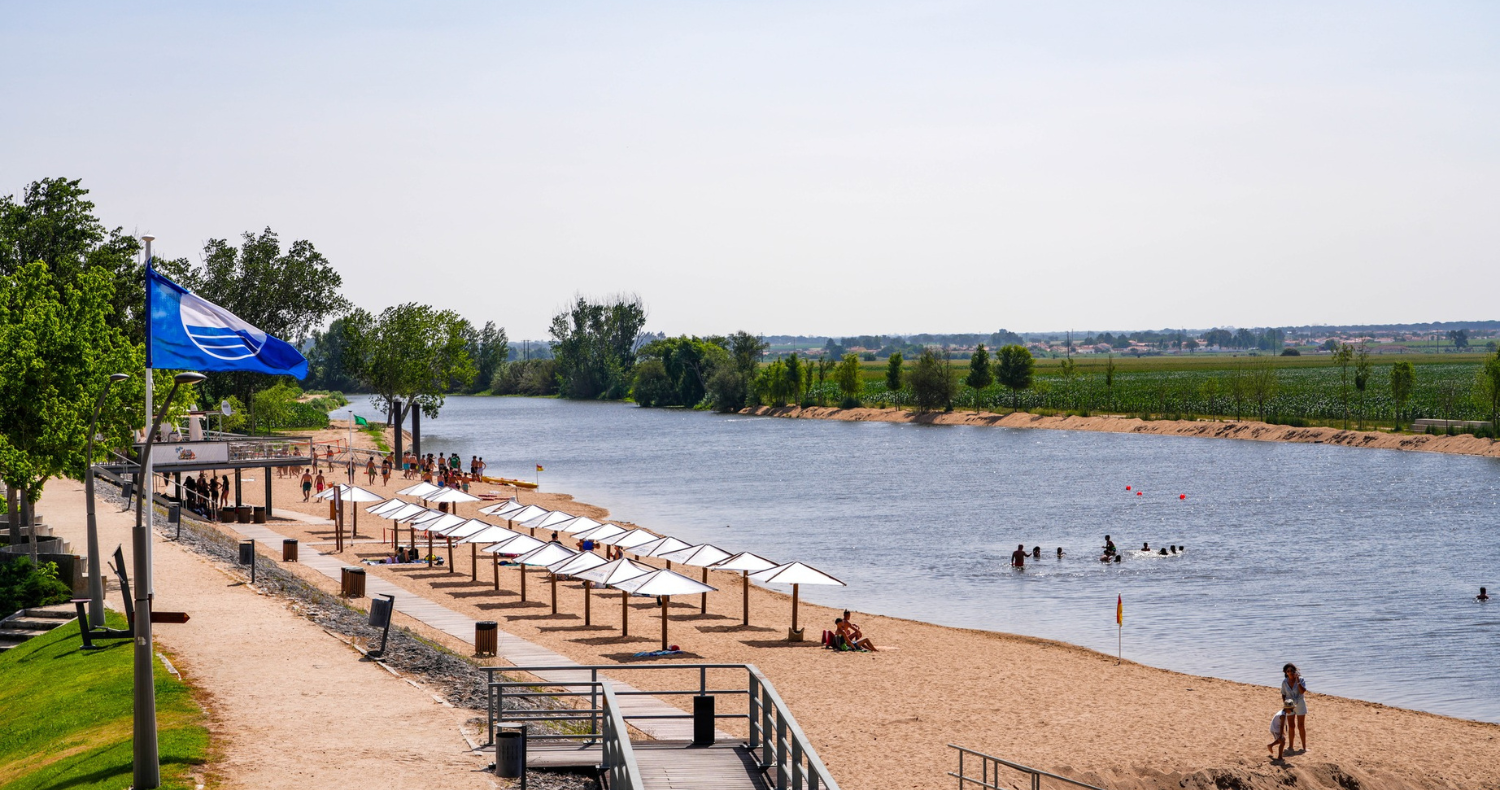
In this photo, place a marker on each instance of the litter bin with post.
(486, 638)
(260, 515)
(289, 550)
(354, 582)
(510, 753)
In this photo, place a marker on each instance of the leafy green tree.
(1361, 378)
(489, 348)
(412, 353)
(57, 346)
(652, 387)
(893, 372)
(1263, 387)
(848, 378)
(595, 346)
(932, 382)
(1403, 381)
(1109, 381)
(327, 366)
(793, 373)
(1013, 369)
(979, 369)
(24, 585)
(286, 293)
(1487, 390)
(1343, 356)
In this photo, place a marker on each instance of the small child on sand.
(1279, 726)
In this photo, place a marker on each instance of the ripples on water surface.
(1358, 565)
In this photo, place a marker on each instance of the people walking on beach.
(1281, 728)
(224, 491)
(385, 471)
(1018, 557)
(307, 484)
(479, 473)
(370, 469)
(319, 483)
(1293, 686)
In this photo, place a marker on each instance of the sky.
(798, 168)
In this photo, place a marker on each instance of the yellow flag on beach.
(1120, 610)
(539, 468)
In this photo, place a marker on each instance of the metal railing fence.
(619, 755)
(781, 749)
(989, 772)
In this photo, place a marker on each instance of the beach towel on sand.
(658, 653)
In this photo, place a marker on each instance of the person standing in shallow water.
(1292, 689)
(1018, 557)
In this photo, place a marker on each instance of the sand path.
(289, 706)
(883, 720)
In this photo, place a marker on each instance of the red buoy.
(1127, 488)
(1137, 493)
(1182, 496)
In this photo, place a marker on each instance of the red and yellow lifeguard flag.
(1120, 610)
(539, 468)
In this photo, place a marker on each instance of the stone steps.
(28, 623)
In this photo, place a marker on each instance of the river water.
(1358, 565)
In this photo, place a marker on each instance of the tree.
(848, 380)
(1361, 378)
(412, 353)
(1460, 338)
(283, 293)
(1014, 371)
(933, 383)
(1263, 387)
(1403, 381)
(1109, 381)
(595, 346)
(793, 373)
(490, 350)
(327, 364)
(58, 343)
(1343, 356)
(1487, 390)
(652, 386)
(979, 369)
(893, 372)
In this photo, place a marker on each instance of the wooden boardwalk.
(512, 648)
(665, 765)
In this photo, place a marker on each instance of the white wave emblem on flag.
(217, 332)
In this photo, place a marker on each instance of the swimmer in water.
(1036, 552)
(1145, 547)
(1482, 596)
(1109, 547)
(1018, 557)
(1117, 558)
(1059, 552)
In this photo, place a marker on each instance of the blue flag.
(187, 332)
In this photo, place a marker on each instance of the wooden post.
(238, 491)
(794, 608)
(745, 585)
(666, 601)
(554, 592)
(523, 582)
(497, 571)
(624, 613)
(429, 561)
(450, 553)
(267, 471)
(587, 615)
(473, 562)
(703, 609)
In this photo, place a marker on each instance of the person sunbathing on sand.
(852, 636)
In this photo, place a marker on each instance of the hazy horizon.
(811, 165)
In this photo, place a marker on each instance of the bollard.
(703, 720)
(486, 638)
(289, 550)
(356, 582)
(510, 753)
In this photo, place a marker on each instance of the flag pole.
(147, 764)
(1119, 629)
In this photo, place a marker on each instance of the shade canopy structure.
(450, 495)
(404, 512)
(458, 533)
(600, 532)
(525, 514)
(499, 508)
(795, 574)
(390, 505)
(549, 553)
(577, 524)
(576, 564)
(421, 516)
(608, 574)
(746, 563)
(490, 534)
(350, 494)
(520, 544)
(700, 556)
(660, 546)
(629, 538)
(549, 521)
(663, 585)
(420, 490)
(470, 526)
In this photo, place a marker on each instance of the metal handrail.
(991, 779)
(778, 742)
(619, 754)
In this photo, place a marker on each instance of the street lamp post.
(96, 579)
(147, 760)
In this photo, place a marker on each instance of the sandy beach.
(1204, 429)
(883, 720)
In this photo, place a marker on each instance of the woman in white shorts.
(1292, 688)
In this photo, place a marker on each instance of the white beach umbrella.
(700, 556)
(350, 493)
(420, 490)
(453, 495)
(548, 554)
(404, 512)
(420, 516)
(490, 534)
(663, 585)
(577, 524)
(795, 574)
(462, 533)
(388, 505)
(444, 526)
(606, 575)
(525, 514)
(576, 564)
(746, 563)
(630, 539)
(438, 526)
(500, 507)
(660, 546)
(549, 521)
(599, 532)
(520, 544)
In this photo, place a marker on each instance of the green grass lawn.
(66, 716)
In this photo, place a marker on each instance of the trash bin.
(486, 638)
(510, 753)
(354, 582)
(247, 552)
(289, 550)
(243, 513)
(228, 515)
(260, 515)
(703, 720)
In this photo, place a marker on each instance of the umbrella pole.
(429, 549)
(554, 592)
(587, 615)
(355, 534)
(497, 571)
(703, 608)
(624, 613)
(745, 598)
(523, 582)
(473, 562)
(794, 609)
(451, 569)
(665, 602)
